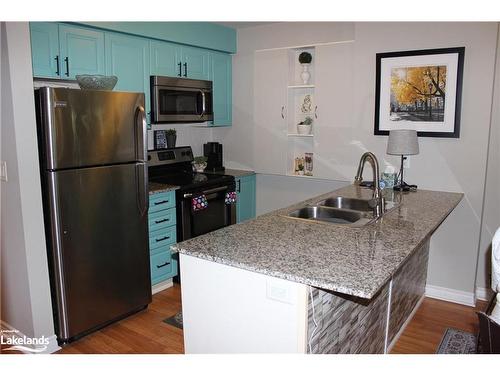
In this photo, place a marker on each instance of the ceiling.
(242, 25)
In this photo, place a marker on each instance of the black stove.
(217, 191)
(174, 167)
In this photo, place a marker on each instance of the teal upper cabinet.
(45, 49)
(81, 51)
(173, 60)
(246, 200)
(194, 63)
(220, 74)
(127, 58)
(165, 59)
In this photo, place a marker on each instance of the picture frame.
(419, 90)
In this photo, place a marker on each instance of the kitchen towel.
(199, 203)
(230, 197)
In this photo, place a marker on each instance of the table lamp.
(402, 142)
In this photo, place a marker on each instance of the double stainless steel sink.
(340, 210)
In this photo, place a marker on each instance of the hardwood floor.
(145, 332)
(424, 332)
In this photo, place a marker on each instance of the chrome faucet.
(378, 201)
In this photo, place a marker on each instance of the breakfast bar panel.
(230, 310)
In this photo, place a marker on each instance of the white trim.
(483, 294)
(403, 327)
(162, 286)
(388, 317)
(306, 46)
(52, 346)
(450, 295)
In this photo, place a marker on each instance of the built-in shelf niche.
(298, 108)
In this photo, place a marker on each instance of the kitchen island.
(278, 284)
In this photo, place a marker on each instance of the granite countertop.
(353, 261)
(233, 172)
(156, 187)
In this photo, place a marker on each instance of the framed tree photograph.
(419, 90)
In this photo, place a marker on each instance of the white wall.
(491, 213)
(187, 135)
(443, 164)
(26, 303)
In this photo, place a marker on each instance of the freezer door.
(99, 251)
(81, 128)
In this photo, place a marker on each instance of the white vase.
(304, 129)
(305, 75)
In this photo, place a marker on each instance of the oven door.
(217, 215)
(181, 104)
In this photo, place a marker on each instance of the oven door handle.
(210, 191)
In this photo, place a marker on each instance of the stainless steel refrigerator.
(93, 152)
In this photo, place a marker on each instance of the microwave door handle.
(203, 103)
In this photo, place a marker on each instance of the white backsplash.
(187, 135)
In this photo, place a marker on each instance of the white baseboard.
(162, 286)
(8, 332)
(450, 295)
(484, 294)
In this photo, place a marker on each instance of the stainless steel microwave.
(180, 100)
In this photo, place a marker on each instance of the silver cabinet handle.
(282, 110)
(316, 112)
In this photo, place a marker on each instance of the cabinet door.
(221, 76)
(166, 59)
(194, 63)
(82, 51)
(45, 49)
(270, 130)
(127, 58)
(334, 97)
(245, 208)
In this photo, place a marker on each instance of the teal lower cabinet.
(162, 234)
(246, 199)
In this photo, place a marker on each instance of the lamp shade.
(402, 142)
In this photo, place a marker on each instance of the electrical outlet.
(406, 162)
(3, 170)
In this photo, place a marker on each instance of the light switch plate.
(3, 171)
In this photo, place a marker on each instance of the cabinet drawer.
(162, 237)
(162, 219)
(161, 201)
(161, 266)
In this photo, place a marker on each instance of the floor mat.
(175, 320)
(455, 341)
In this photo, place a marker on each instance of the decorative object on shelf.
(200, 163)
(403, 142)
(96, 82)
(171, 137)
(305, 127)
(419, 90)
(309, 163)
(305, 59)
(306, 106)
(301, 169)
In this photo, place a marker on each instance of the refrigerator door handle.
(141, 133)
(142, 188)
